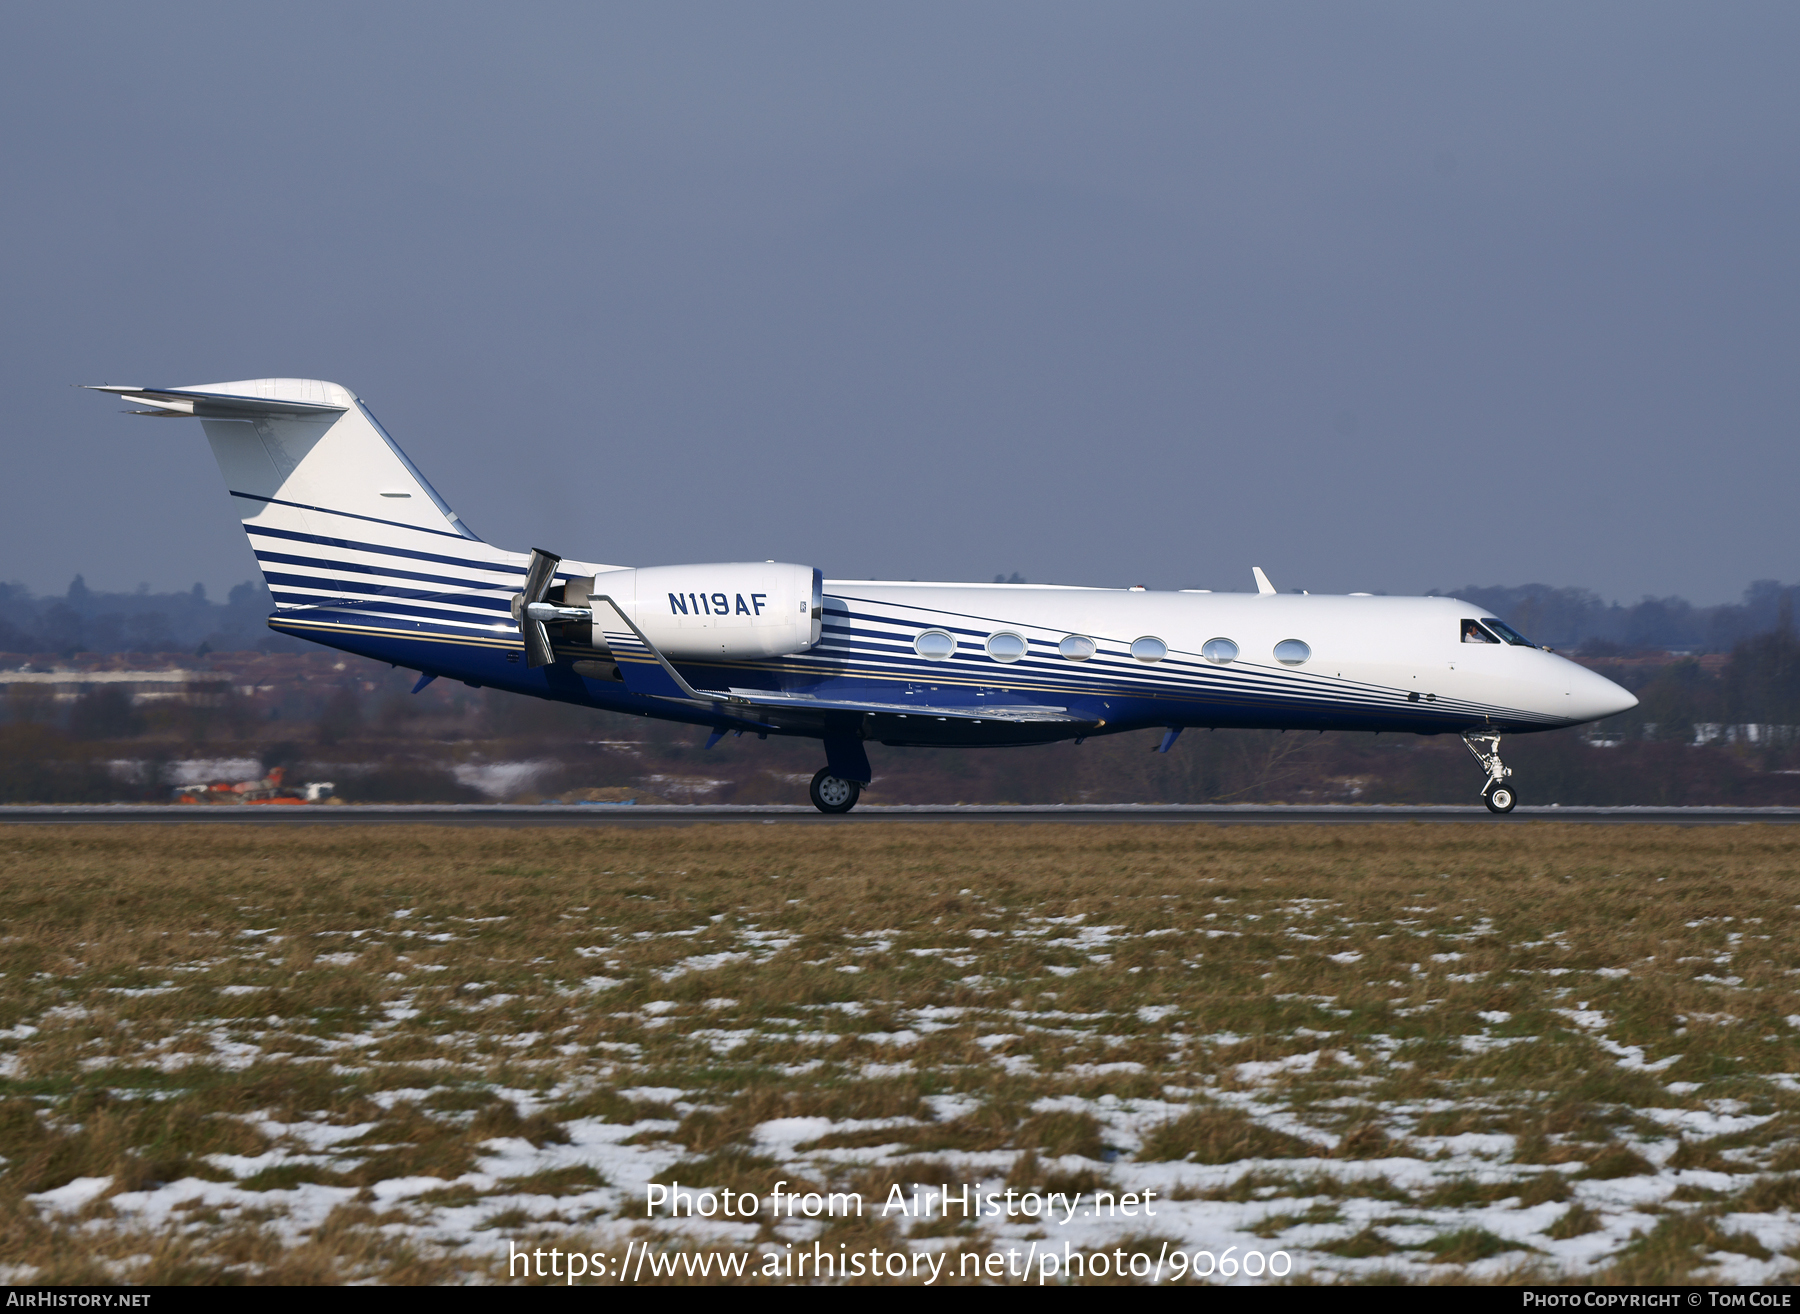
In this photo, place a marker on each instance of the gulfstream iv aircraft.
(360, 553)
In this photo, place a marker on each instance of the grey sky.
(1374, 296)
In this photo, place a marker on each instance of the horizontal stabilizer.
(193, 403)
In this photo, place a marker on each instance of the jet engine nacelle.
(738, 610)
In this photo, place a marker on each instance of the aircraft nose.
(1593, 696)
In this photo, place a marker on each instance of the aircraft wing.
(646, 671)
(1018, 714)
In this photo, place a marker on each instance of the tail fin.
(306, 445)
(336, 514)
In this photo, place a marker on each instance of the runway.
(462, 814)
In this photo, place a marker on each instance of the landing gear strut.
(832, 794)
(1498, 792)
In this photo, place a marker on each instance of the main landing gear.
(1498, 792)
(832, 794)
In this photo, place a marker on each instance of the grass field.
(1393, 1053)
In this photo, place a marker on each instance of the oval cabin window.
(935, 645)
(1078, 647)
(1149, 649)
(1219, 651)
(1005, 647)
(1292, 652)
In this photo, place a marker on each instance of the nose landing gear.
(1498, 792)
(832, 793)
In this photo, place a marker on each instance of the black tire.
(830, 794)
(1502, 798)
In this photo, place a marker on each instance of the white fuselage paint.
(1366, 651)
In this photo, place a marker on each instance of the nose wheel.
(833, 794)
(1498, 792)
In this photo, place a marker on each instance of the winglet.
(1262, 580)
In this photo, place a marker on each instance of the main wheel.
(1502, 799)
(831, 794)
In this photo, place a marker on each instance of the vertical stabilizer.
(337, 515)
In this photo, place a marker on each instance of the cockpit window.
(1508, 633)
(1473, 633)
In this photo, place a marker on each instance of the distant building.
(65, 686)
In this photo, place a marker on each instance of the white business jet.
(360, 553)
